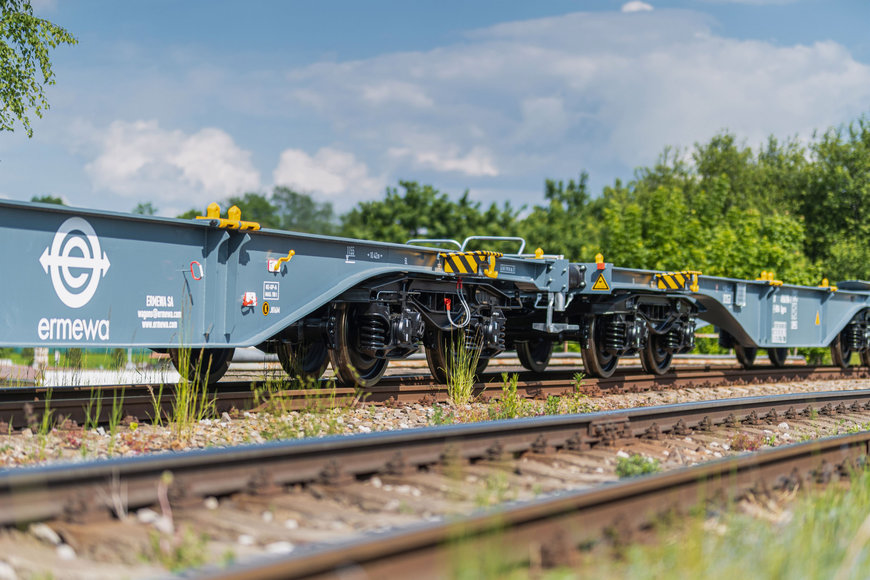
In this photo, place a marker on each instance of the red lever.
(447, 303)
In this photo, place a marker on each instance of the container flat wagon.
(199, 288)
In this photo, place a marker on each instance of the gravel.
(72, 443)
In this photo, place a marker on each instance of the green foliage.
(47, 199)
(424, 212)
(510, 404)
(145, 208)
(823, 533)
(299, 212)
(285, 210)
(73, 358)
(461, 371)
(25, 68)
(745, 442)
(180, 551)
(635, 465)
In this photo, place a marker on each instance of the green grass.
(461, 370)
(85, 358)
(192, 401)
(823, 535)
(816, 535)
(635, 465)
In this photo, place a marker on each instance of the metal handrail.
(522, 241)
(433, 241)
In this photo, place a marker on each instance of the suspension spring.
(614, 336)
(855, 337)
(374, 332)
(674, 338)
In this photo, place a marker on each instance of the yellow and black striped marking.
(470, 262)
(687, 279)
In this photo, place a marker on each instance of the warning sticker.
(265, 309)
(600, 284)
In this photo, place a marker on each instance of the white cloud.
(330, 173)
(636, 6)
(175, 170)
(550, 96)
(393, 92)
(477, 162)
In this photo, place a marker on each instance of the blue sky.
(183, 103)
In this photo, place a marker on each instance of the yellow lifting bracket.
(233, 220)
(470, 262)
(825, 284)
(685, 279)
(769, 278)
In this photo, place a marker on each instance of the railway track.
(20, 406)
(551, 530)
(70, 496)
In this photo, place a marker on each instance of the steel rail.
(83, 489)
(565, 521)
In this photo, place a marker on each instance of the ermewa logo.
(75, 261)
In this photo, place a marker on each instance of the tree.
(421, 211)
(256, 208)
(145, 208)
(299, 212)
(25, 41)
(47, 199)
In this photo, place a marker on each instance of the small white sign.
(271, 290)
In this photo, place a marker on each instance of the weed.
(552, 406)
(192, 403)
(461, 369)
(745, 442)
(321, 415)
(496, 490)
(95, 407)
(441, 417)
(578, 402)
(180, 551)
(770, 440)
(509, 405)
(157, 418)
(115, 418)
(46, 423)
(635, 465)
(823, 534)
(578, 381)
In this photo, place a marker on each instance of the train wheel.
(745, 355)
(304, 360)
(535, 354)
(205, 365)
(441, 358)
(353, 368)
(654, 358)
(597, 362)
(865, 357)
(777, 356)
(841, 354)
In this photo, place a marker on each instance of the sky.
(184, 103)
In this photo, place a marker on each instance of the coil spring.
(373, 332)
(854, 337)
(674, 338)
(614, 336)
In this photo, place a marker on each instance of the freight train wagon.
(199, 288)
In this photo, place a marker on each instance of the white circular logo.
(75, 262)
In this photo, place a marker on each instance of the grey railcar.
(199, 288)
